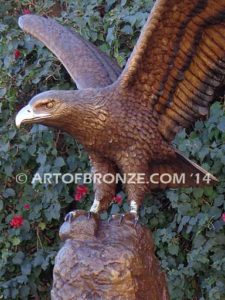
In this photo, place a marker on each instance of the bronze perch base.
(111, 261)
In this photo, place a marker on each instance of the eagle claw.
(136, 221)
(76, 213)
(70, 216)
(90, 214)
(110, 218)
(123, 217)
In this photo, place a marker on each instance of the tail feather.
(179, 172)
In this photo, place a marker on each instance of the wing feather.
(179, 61)
(86, 64)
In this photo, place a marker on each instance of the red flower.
(81, 191)
(118, 199)
(77, 196)
(26, 11)
(17, 54)
(223, 217)
(17, 221)
(26, 206)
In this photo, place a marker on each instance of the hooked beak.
(27, 115)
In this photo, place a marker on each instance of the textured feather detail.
(86, 64)
(179, 61)
(180, 172)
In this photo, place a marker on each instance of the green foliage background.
(186, 224)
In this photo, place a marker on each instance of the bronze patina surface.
(127, 119)
(115, 262)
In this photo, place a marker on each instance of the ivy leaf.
(198, 192)
(127, 29)
(16, 241)
(219, 200)
(26, 268)
(41, 159)
(1, 205)
(2, 92)
(9, 193)
(173, 249)
(110, 36)
(24, 291)
(221, 125)
(18, 258)
(59, 162)
(115, 209)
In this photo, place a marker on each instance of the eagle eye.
(50, 104)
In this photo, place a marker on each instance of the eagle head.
(47, 108)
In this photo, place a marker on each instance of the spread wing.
(86, 64)
(179, 61)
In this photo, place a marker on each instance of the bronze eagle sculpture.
(127, 119)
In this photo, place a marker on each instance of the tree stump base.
(107, 260)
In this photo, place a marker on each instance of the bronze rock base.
(107, 260)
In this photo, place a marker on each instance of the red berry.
(26, 11)
(27, 206)
(223, 217)
(17, 53)
(118, 199)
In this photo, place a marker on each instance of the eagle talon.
(136, 218)
(76, 213)
(121, 218)
(70, 216)
(136, 221)
(90, 214)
